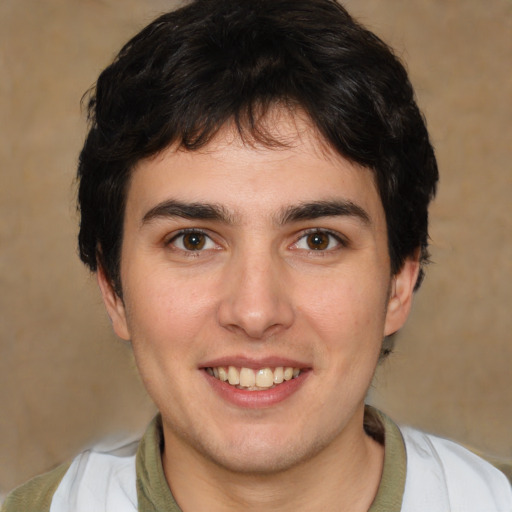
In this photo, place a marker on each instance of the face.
(256, 293)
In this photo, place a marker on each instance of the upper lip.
(255, 364)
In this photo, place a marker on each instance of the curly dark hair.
(211, 62)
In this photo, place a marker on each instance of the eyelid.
(340, 239)
(185, 231)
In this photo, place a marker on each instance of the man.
(253, 193)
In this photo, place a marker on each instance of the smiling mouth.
(254, 380)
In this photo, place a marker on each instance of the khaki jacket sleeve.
(36, 495)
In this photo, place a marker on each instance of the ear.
(401, 294)
(114, 305)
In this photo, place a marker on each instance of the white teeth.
(265, 378)
(247, 378)
(233, 376)
(278, 375)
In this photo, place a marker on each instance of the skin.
(257, 294)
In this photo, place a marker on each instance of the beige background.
(65, 381)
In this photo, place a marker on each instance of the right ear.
(114, 305)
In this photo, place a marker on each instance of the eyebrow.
(193, 211)
(317, 209)
(305, 211)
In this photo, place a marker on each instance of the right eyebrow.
(194, 211)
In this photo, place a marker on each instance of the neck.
(344, 476)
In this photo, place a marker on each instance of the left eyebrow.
(318, 209)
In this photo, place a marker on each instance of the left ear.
(401, 293)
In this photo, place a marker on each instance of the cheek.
(347, 323)
(340, 304)
(166, 311)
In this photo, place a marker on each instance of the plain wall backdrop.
(66, 381)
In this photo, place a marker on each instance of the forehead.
(240, 172)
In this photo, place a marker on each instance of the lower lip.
(256, 399)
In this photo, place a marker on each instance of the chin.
(262, 455)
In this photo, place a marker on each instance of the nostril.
(255, 323)
(255, 300)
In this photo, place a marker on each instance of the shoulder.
(36, 495)
(447, 474)
(97, 479)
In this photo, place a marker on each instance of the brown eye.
(194, 241)
(318, 241)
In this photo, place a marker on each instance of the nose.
(256, 299)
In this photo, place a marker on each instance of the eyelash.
(342, 242)
(188, 231)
